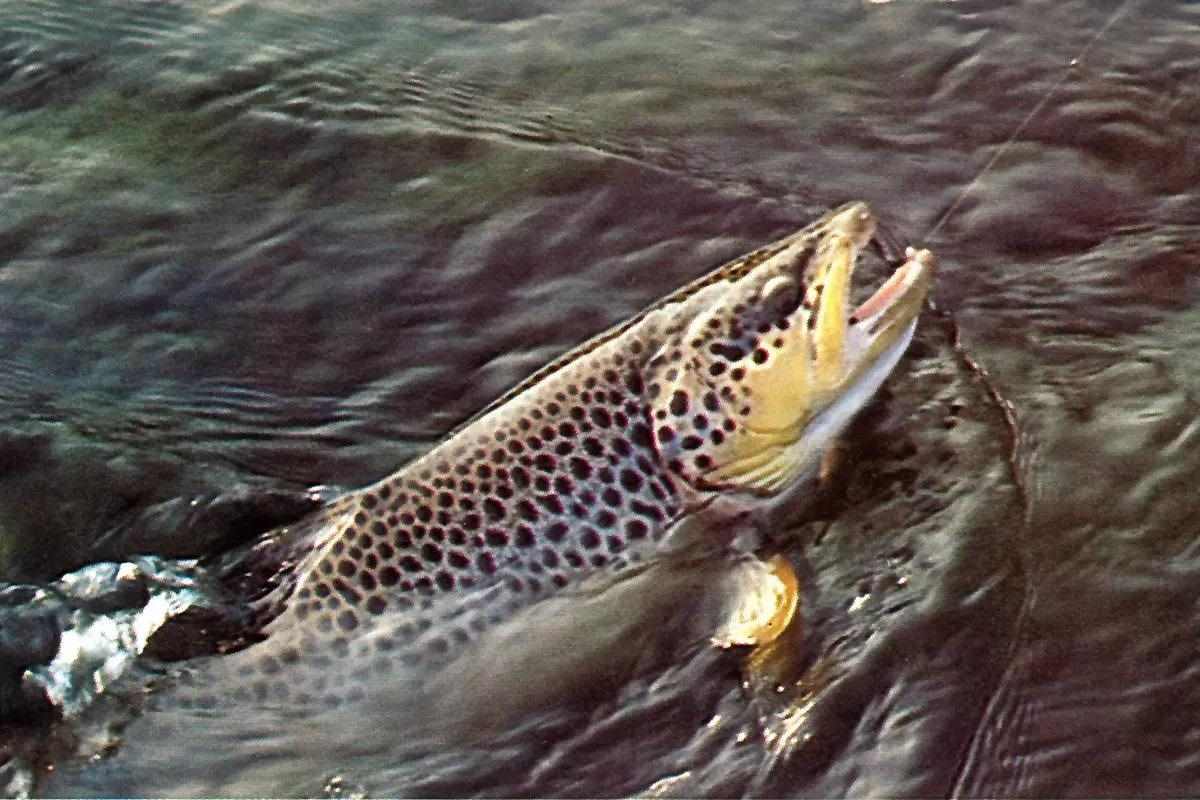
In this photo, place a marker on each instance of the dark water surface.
(281, 243)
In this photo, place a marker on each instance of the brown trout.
(699, 421)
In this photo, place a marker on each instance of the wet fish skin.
(697, 420)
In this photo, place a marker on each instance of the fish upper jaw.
(881, 319)
(775, 353)
(829, 280)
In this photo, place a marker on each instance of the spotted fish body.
(695, 420)
(551, 486)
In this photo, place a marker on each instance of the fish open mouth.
(912, 276)
(848, 342)
(813, 373)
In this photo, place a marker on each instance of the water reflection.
(278, 244)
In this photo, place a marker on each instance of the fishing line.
(1020, 468)
(1037, 109)
(1006, 407)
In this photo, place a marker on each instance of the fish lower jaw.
(828, 423)
(786, 456)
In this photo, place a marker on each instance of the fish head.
(764, 362)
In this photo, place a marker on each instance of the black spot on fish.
(346, 592)
(646, 510)
(580, 468)
(639, 434)
(550, 502)
(525, 537)
(376, 605)
(493, 508)
(727, 351)
(527, 510)
(520, 477)
(679, 403)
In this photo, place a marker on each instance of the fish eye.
(779, 296)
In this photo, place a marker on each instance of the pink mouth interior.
(886, 294)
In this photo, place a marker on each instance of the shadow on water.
(254, 246)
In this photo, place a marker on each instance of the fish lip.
(913, 275)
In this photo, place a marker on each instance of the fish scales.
(728, 388)
(554, 484)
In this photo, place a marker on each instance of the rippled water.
(274, 244)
